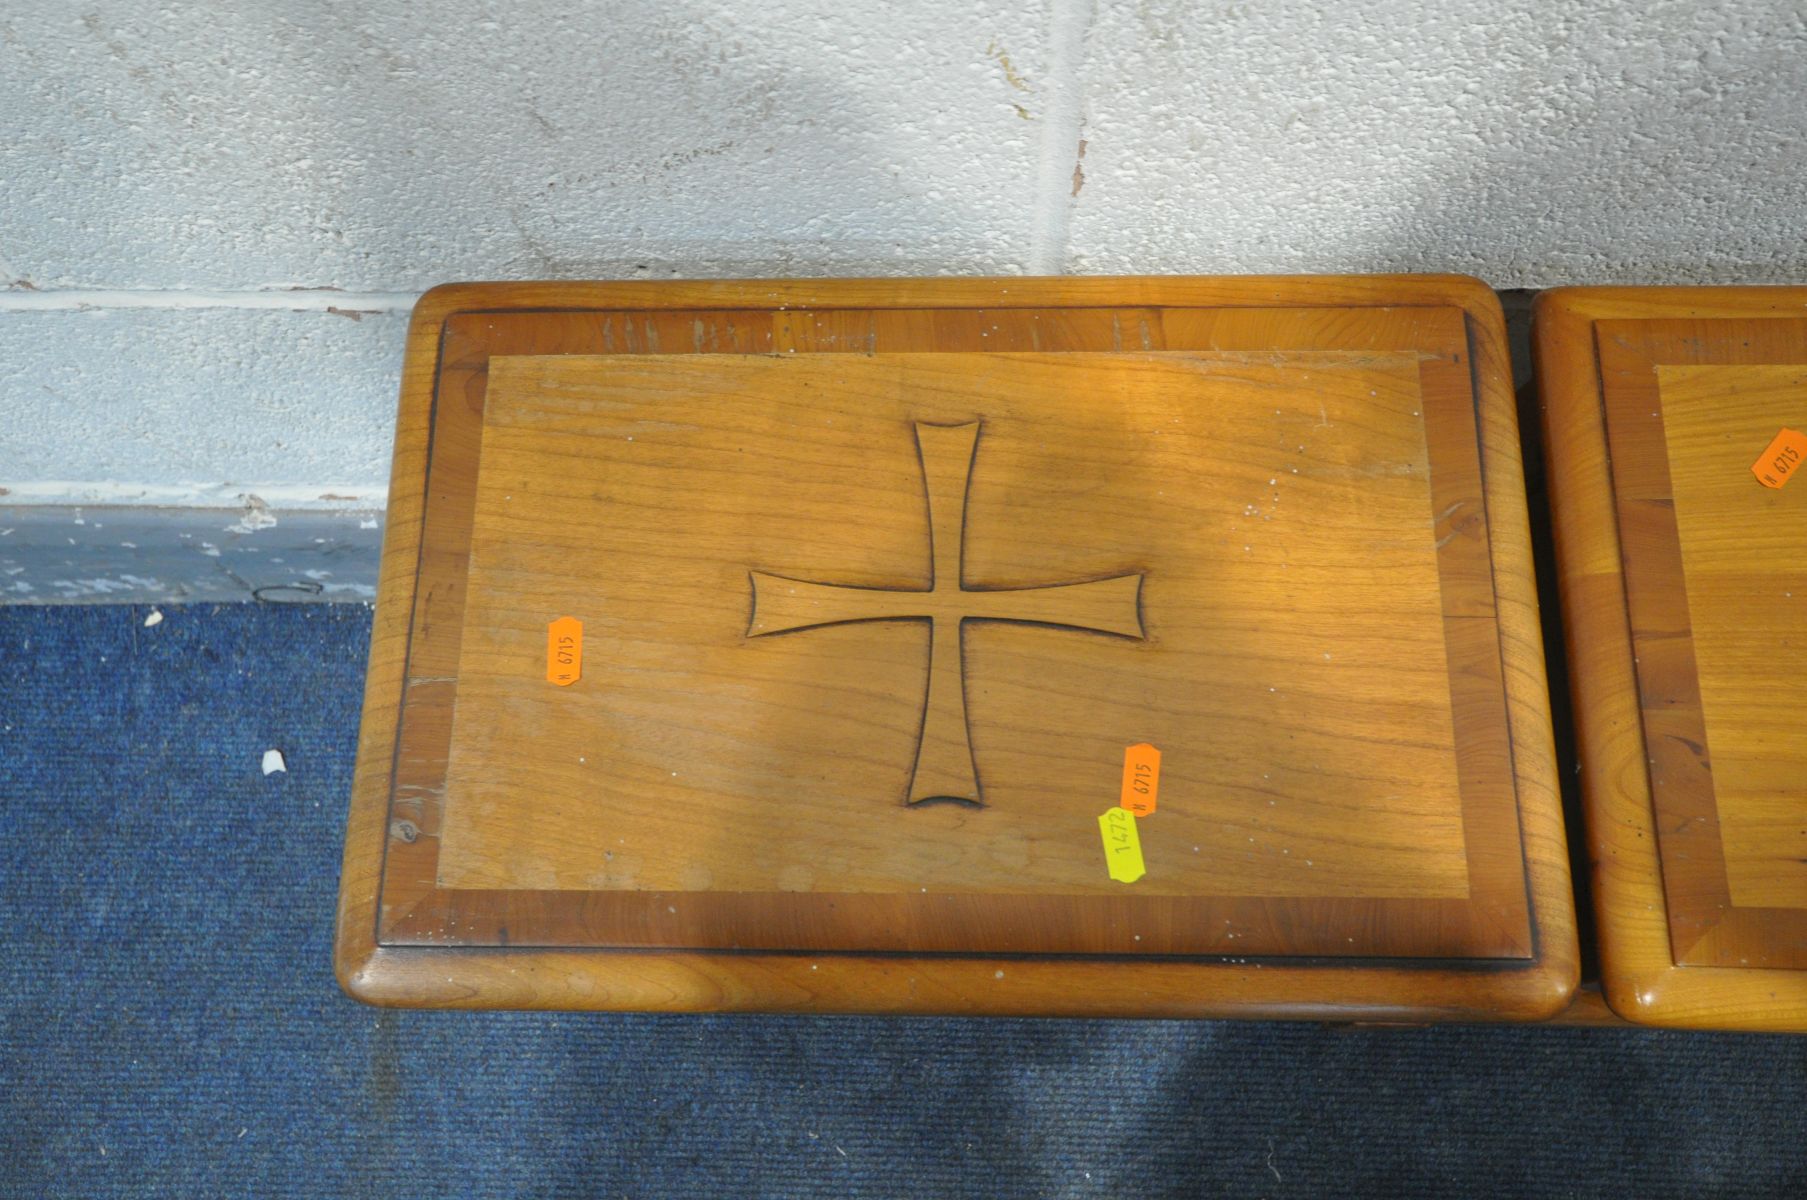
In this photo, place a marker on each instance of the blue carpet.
(170, 1025)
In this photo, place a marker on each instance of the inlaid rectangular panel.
(1744, 567)
(1686, 595)
(879, 581)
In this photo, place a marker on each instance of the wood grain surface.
(1744, 565)
(872, 608)
(1685, 598)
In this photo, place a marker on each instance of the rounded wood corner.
(1562, 322)
(1649, 996)
(1551, 985)
(400, 977)
(1560, 303)
(1472, 295)
(1666, 996)
(441, 301)
(357, 967)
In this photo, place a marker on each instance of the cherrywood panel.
(1493, 923)
(1707, 925)
(1534, 986)
(1653, 404)
(784, 765)
(1744, 560)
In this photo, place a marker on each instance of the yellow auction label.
(1122, 845)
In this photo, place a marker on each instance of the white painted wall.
(171, 175)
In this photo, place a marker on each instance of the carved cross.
(944, 767)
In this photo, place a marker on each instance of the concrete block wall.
(214, 217)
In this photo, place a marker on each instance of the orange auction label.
(1781, 458)
(564, 651)
(1141, 778)
(1122, 845)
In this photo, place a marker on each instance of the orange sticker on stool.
(1141, 778)
(564, 651)
(1781, 459)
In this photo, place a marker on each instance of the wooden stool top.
(1683, 548)
(1133, 646)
